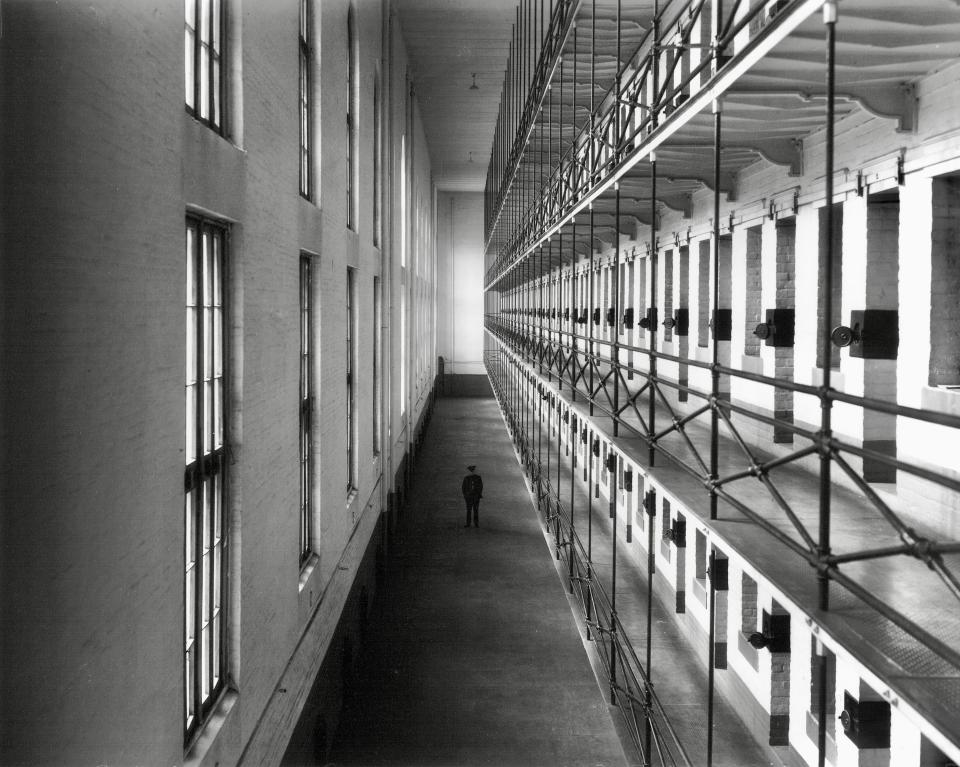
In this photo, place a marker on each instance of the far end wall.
(460, 282)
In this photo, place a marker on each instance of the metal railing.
(541, 354)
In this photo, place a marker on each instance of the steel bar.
(715, 345)
(711, 658)
(774, 31)
(650, 501)
(615, 291)
(826, 309)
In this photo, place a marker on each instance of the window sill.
(203, 742)
(837, 380)
(751, 364)
(700, 590)
(307, 570)
(813, 732)
(943, 399)
(748, 651)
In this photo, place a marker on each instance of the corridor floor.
(473, 655)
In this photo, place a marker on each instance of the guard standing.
(472, 488)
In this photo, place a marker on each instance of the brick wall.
(779, 698)
(785, 299)
(641, 270)
(880, 376)
(667, 293)
(836, 295)
(683, 302)
(105, 166)
(748, 604)
(683, 264)
(703, 296)
(720, 621)
(753, 308)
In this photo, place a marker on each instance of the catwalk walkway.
(473, 655)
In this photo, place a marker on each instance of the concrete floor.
(473, 655)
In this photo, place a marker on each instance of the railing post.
(614, 650)
(650, 501)
(573, 257)
(823, 548)
(711, 657)
(615, 300)
(590, 345)
(573, 480)
(588, 452)
(715, 286)
(615, 283)
(593, 168)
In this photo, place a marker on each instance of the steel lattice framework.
(573, 164)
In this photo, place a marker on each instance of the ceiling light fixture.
(474, 87)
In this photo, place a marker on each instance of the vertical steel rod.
(830, 20)
(651, 502)
(711, 659)
(591, 302)
(593, 169)
(612, 485)
(556, 412)
(715, 286)
(588, 456)
(573, 256)
(572, 436)
(652, 314)
(615, 303)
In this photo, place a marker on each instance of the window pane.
(216, 650)
(208, 341)
(190, 603)
(217, 22)
(190, 441)
(217, 511)
(189, 72)
(215, 95)
(191, 266)
(218, 414)
(205, 664)
(207, 501)
(205, 20)
(188, 686)
(217, 269)
(218, 342)
(207, 417)
(191, 347)
(217, 553)
(189, 539)
(208, 245)
(204, 82)
(205, 598)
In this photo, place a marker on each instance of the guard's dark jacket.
(472, 486)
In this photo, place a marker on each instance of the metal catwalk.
(615, 116)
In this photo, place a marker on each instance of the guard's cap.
(471, 468)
